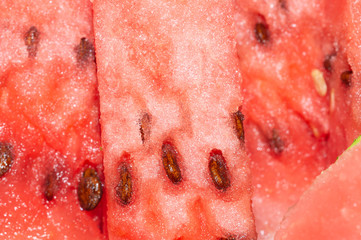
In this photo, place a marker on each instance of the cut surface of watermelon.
(170, 93)
(49, 130)
(294, 105)
(330, 208)
(353, 19)
(179, 121)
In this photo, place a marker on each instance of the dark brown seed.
(32, 41)
(51, 186)
(144, 127)
(124, 189)
(89, 190)
(218, 170)
(346, 78)
(327, 64)
(6, 157)
(84, 51)
(283, 4)
(262, 33)
(276, 143)
(170, 162)
(238, 118)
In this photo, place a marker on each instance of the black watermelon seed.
(84, 51)
(144, 127)
(327, 64)
(32, 41)
(170, 162)
(124, 189)
(89, 189)
(218, 170)
(276, 143)
(6, 157)
(283, 4)
(238, 119)
(346, 78)
(51, 185)
(262, 33)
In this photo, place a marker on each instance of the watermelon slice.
(294, 100)
(170, 93)
(353, 127)
(50, 158)
(330, 208)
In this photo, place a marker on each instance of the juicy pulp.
(293, 106)
(49, 116)
(177, 62)
(330, 208)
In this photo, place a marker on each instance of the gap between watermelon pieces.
(169, 87)
(330, 208)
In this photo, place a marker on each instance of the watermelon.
(203, 105)
(50, 159)
(330, 208)
(291, 56)
(172, 123)
(353, 126)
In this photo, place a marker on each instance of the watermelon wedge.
(50, 158)
(170, 97)
(293, 98)
(353, 72)
(330, 208)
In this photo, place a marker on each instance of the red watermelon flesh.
(169, 91)
(292, 123)
(330, 208)
(49, 130)
(353, 19)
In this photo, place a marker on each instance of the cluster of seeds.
(170, 158)
(90, 187)
(345, 76)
